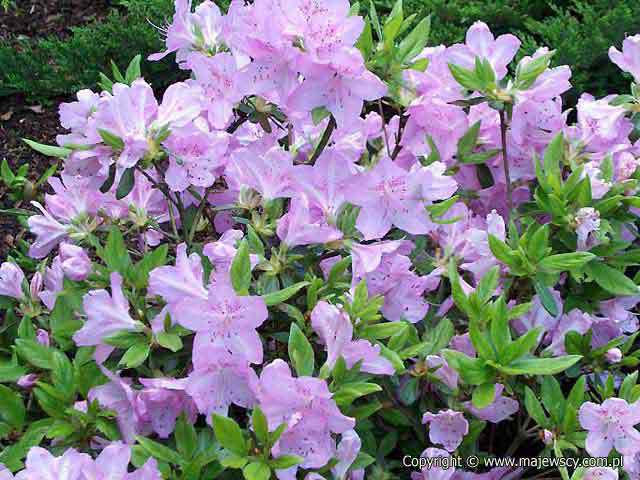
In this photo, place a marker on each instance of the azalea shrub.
(332, 253)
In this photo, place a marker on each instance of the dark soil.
(40, 18)
(21, 120)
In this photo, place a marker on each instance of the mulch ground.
(20, 119)
(41, 18)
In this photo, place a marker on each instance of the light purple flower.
(347, 451)
(162, 401)
(11, 280)
(42, 465)
(587, 225)
(613, 355)
(434, 472)
(610, 425)
(500, 409)
(106, 313)
(600, 473)
(184, 280)
(28, 381)
(220, 379)
(53, 283)
(306, 406)
(390, 195)
(446, 428)
(302, 226)
(222, 252)
(444, 372)
(629, 59)
(225, 319)
(334, 328)
(480, 42)
(76, 264)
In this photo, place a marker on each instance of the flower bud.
(547, 437)
(42, 336)
(35, 287)
(11, 278)
(613, 355)
(76, 264)
(27, 381)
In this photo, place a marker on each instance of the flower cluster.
(330, 247)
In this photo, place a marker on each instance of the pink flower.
(11, 280)
(76, 264)
(334, 328)
(53, 283)
(117, 395)
(629, 59)
(306, 406)
(222, 252)
(346, 453)
(225, 320)
(446, 428)
(220, 379)
(386, 269)
(341, 88)
(390, 195)
(480, 42)
(106, 314)
(185, 279)
(500, 409)
(162, 401)
(600, 473)
(434, 472)
(200, 30)
(587, 224)
(268, 173)
(610, 425)
(303, 226)
(41, 464)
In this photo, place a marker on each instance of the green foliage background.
(580, 30)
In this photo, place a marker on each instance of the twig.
(324, 140)
(505, 160)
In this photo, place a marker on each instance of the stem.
(196, 218)
(505, 160)
(384, 128)
(324, 140)
(558, 452)
(401, 124)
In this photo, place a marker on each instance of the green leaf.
(364, 44)
(534, 408)
(257, 471)
(126, 184)
(565, 261)
(286, 461)
(483, 395)
(381, 330)
(415, 41)
(133, 70)
(501, 250)
(468, 141)
(392, 25)
(241, 269)
(186, 437)
(12, 409)
(546, 298)
(611, 280)
(540, 366)
(521, 346)
(229, 435)
(283, 295)
(300, 352)
(466, 78)
(151, 260)
(159, 451)
(170, 341)
(260, 425)
(351, 391)
(135, 355)
(115, 253)
(111, 178)
(48, 150)
(34, 353)
(552, 398)
(111, 140)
